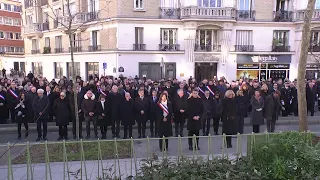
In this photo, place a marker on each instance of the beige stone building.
(166, 38)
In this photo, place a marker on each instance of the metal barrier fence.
(115, 159)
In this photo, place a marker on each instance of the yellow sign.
(181, 74)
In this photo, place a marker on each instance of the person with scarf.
(164, 116)
(103, 118)
(21, 110)
(12, 100)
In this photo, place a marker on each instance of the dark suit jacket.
(141, 105)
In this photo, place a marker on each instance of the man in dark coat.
(141, 106)
(62, 110)
(272, 107)
(194, 112)
(127, 118)
(180, 107)
(286, 99)
(114, 101)
(40, 107)
(29, 100)
(12, 100)
(153, 107)
(80, 97)
(3, 104)
(310, 95)
(207, 102)
(89, 107)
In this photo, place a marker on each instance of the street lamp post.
(161, 68)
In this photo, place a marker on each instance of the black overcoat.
(194, 108)
(180, 103)
(164, 128)
(127, 116)
(62, 110)
(141, 105)
(103, 120)
(114, 100)
(229, 114)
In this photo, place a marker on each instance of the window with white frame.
(47, 42)
(10, 49)
(138, 4)
(29, 20)
(1, 20)
(2, 49)
(169, 3)
(35, 45)
(58, 67)
(139, 35)
(17, 22)
(58, 40)
(244, 37)
(93, 5)
(317, 5)
(72, 7)
(18, 49)
(37, 68)
(280, 38)
(9, 35)
(94, 38)
(244, 4)
(1, 35)
(168, 36)
(17, 36)
(7, 21)
(206, 39)
(209, 3)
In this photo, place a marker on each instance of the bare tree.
(71, 23)
(301, 85)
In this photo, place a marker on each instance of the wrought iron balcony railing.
(246, 15)
(169, 47)
(208, 12)
(169, 13)
(283, 16)
(244, 48)
(94, 48)
(139, 47)
(214, 48)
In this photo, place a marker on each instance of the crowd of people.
(117, 102)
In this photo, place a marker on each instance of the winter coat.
(164, 128)
(89, 105)
(41, 105)
(180, 103)
(242, 106)
(12, 98)
(257, 116)
(29, 100)
(207, 108)
(141, 105)
(272, 107)
(194, 108)
(114, 100)
(127, 115)
(21, 111)
(153, 108)
(217, 108)
(103, 120)
(229, 113)
(62, 111)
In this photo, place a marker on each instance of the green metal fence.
(116, 159)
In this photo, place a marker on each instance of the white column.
(189, 40)
(225, 39)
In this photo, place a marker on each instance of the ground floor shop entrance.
(205, 71)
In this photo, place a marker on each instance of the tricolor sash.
(13, 93)
(2, 97)
(200, 90)
(164, 108)
(124, 91)
(103, 93)
(188, 93)
(210, 90)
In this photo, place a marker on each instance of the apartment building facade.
(168, 38)
(11, 42)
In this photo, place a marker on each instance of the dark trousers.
(286, 112)
(153, 127)
(256, 128)
(179, 129)
(271, 125)
(190, 140)
(44, 123)
(229, 141)
(206, 127)
(63, 131)
(26, 126)
(240, 124)
(115, 127)
(127, 128)
(74, 129)
(310, 108)
(13, 115)
(161, 143)
(142, 128)
(216, 121)
(95, 127)
(103, 130)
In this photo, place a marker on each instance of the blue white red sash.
(210, 90)
(2, 97)
(164, 108)
(124, 91)
(188, 93)
(200, 90)
(13, 94)
(103, 93)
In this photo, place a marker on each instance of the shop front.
(263, 66)
(313, 71)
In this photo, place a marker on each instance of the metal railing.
(169, 47)
(214, 48)
(76, 49)
(299, 15)
(94, 48)
(315, 48)
(244, 48)
(210, 13)
(58, 50)
(139, 47)
(283, 16)
(118, 158)
(169, 13)
(246, 15)
(280, 48)
(35, 51)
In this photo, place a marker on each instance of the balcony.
(46, 50)
(58, 50)
(299, 15)
(282, 16)
(169, 13)
(139, 47)
(208, 13)
(244, 48)
(79, 18)
(76, 49)
(169, 47)
(211, 48)
(246, 15)
(94, 48)
(35, 51)
(281, 48)
(315, 48)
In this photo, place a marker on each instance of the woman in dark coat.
(21, 110)
(102, 114)
(242, 109)
(272, 107)
(62, 110)
(180, 106)
(257, 104)
(164, 116)
(194, 113)
(229, 114)
(127, 116)
(217, 111)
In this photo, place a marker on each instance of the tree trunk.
(74, 87)
(302, 101)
